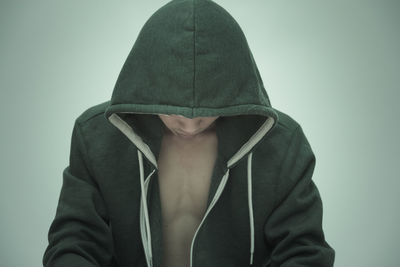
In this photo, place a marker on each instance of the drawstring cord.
(250, 200)
(147, 239)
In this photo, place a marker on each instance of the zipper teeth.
(215, 199)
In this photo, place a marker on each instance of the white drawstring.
(250, 200)
(147, 239)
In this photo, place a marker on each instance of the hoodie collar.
(237, 135)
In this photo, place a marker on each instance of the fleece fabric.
(191, 58)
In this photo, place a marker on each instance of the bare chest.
(185, 171)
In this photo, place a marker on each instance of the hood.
(191, 58)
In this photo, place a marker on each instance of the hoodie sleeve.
(79, 234)
(294, 228)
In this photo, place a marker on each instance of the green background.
(331, 65)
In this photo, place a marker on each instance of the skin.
(186, 128)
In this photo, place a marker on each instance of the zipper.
(218, 193)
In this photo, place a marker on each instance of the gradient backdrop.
(331, 65)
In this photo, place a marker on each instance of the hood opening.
(234, 133)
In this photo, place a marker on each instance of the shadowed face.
(185, 127)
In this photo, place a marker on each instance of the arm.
(79, 234)
(294, 228)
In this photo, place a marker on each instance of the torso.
(185, 169)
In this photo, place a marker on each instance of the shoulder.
(285, 145)
(93, 123)
(101, 138)
(285, 127)
(276, 142)
(286, 122)
(93, 112)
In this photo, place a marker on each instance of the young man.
(188, 164)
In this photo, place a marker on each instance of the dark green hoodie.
(191, 58)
